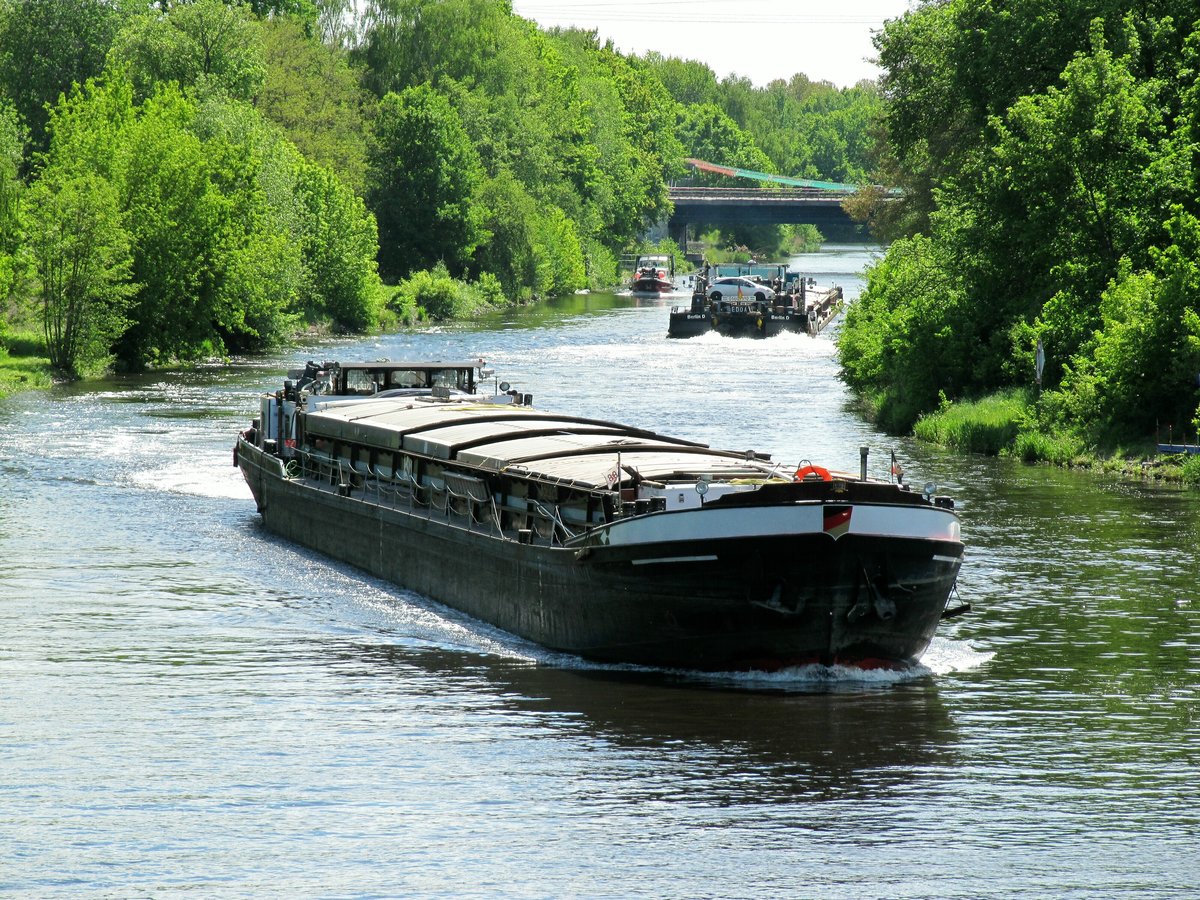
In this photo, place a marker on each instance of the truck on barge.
(586, 536)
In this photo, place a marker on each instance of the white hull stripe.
(920, 523)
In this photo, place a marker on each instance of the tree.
(901, 354)
(81, 255)
(311, 91)
(1142, 363)
(580, 127)
(638, 156)
(11, 263)
(48, 45)
(708, 133)
(511, 251)
(339, 245)
(1084, 164)
(1043, 148)
(690, 82)
(210, 194)
(424, 173)
(204, 44)
(304, 12)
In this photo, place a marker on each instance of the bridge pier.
(678, 232)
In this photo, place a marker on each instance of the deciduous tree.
(205, 44)
(48, 45)
(81, 255)
(422, 183)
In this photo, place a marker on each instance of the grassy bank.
(24, 365)
(1007, 424)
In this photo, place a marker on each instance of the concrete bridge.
(752, 205)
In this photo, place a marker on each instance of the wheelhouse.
(365, 379)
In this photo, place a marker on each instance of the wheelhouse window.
(409, 379)
(452, 378)
(360, 381)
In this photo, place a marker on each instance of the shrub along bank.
(1020, 424)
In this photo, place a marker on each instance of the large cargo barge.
(594, 538)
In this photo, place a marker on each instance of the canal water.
(191, 706)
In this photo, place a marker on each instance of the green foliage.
(512, 253)
(989, 425)
(908, 336)
(520, 104)
(303, 12)
(1008, 423)
(599, 263)
(803, 239)
(532, 158)
(1143, 362)
(533, 250)
(48, 45)
(23, 364)
(766, 242)
(81, 255)
(806, 129)
(203, 45)
(1079, 165)
(424, 174)
(576, 126)
(626, 107)
(691, 83)
(234, 238)
(1049, 156)
(662, 247)
(217, 272)
(1191, 470)
(11, 263)
(561, 269)
(1058, 448)
(439, 296)
(311, 91)
(708, 133)
(338, 242)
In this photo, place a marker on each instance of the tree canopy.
(1048, 153)
(423, 183)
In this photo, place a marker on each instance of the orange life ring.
(804, 471)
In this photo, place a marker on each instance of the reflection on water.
(188, 703)
(753, 746)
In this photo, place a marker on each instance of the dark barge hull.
(701, 318)
(720, 604)
(690, 324)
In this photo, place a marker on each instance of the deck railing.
(457, 501)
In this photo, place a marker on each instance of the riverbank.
(1008, 424)
(24, 365)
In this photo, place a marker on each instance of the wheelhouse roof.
(416, 364)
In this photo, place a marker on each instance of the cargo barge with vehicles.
(598, 539)
(755, 301)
